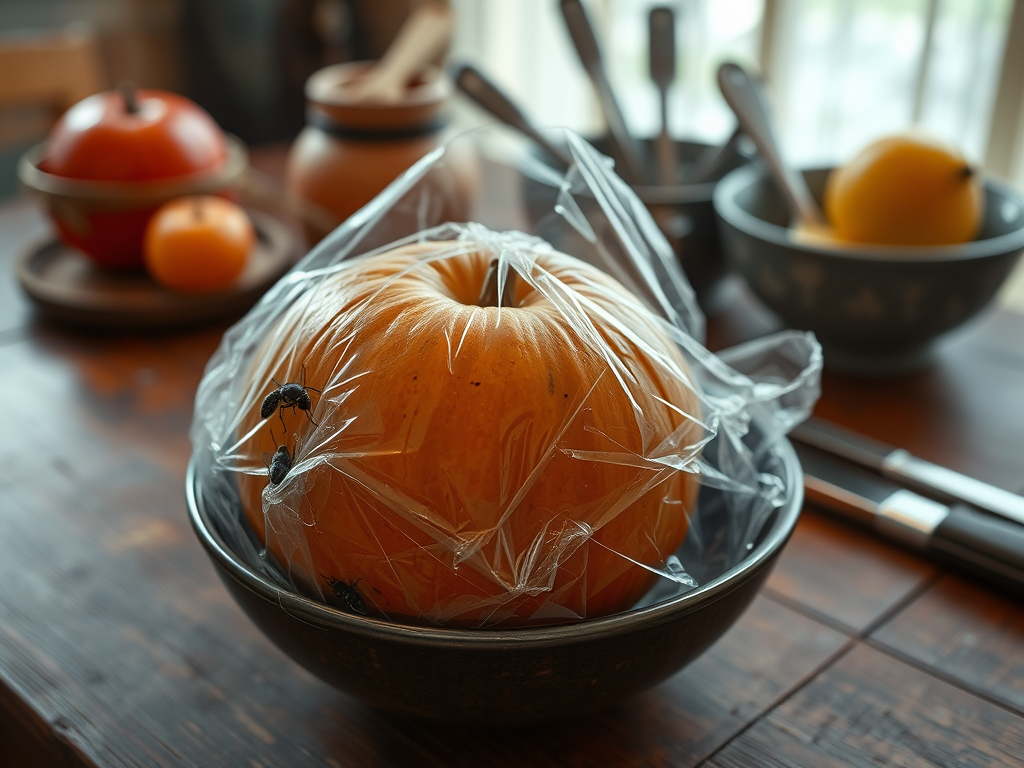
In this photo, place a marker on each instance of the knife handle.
(987, 546)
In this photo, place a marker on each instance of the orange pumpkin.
(468, 469)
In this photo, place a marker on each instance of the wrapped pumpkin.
(470, 454)
(433, 422)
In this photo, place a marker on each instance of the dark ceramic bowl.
(685, 214)
(512, 676)
(875, 309)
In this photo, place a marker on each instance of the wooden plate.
(65, 286)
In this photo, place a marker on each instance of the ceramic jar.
(351, 150)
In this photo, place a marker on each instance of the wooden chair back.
(41, 76)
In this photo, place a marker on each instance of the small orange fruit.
(905, 190)
(198, 244)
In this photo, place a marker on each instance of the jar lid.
(420, 105)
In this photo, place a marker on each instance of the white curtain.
(843, 72)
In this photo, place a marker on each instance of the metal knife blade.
(900, 465)
(982, 544)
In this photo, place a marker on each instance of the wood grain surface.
(120, 647)
(869, 709)
(965, 633)
(848, 577)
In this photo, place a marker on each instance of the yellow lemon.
(905, 190)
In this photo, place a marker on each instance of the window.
(841, 72)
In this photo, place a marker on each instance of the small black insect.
(293, 394)
(349, 595)
(278, 465)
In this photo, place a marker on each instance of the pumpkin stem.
(966, 172)
(489, 294)
(131, 101)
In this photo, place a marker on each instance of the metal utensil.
(744, 95)
(583, 38)
(988, 546)
(713, 162)
(901, 466)
(491, 98)
(662, 31)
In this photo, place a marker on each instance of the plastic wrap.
(394, 435)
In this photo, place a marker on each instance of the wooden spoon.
(425, 34)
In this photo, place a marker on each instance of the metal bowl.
(510, 676)
(875, 309)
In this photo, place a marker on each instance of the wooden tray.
(66, 287)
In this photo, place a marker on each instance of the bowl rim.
(746, 176)
(535, 637)
(133, 193)
(680, 193)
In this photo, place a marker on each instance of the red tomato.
(166, 136)
(158, 137)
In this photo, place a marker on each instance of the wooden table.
(120, 647)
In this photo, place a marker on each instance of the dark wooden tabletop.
(120, 647)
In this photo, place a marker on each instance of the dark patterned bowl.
(875, 309)
(513, 676)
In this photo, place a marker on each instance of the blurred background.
(840, 72)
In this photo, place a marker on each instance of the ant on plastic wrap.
(292, 394)
(278, 465)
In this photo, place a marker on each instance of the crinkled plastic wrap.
(390, 432)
